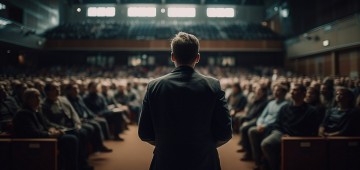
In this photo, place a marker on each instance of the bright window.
(141, 12)
(220, 12)
(101, 12)
(181, 12)
(2, 6)
(4, 22)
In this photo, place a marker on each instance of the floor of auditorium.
(133, 154)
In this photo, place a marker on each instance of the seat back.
(5, 152)
(344, 153)
(299, 153)
(39, 154)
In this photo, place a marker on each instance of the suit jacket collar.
(27, 108)
(183, 69)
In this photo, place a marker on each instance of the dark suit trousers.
(68, 146)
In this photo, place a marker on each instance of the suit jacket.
(30, 124)
(185, 116)
(81, 109)
(96, 103)
(61, 106)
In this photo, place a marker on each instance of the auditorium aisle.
(133, 154)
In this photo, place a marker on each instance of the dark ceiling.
(235, 2)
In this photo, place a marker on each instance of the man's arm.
(146, 129)
(262, 115)
(221, 121)
(44, 112)
(279, 118)
(74, 115)
(25, 126)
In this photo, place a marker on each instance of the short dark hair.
(69, 87)
(92, 83)
(237, 86)
(185, 47)
(49, 86)
(301, 87)
(264, 90)
(350, 94)
(29, 94)
(284, 89)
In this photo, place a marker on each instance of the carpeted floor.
(133, 154)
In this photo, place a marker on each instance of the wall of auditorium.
(341, 34)
(349, 62)
(332, 49)
(340, 63)
(242, 13)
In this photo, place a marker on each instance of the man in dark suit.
(30, 123)
(185, 114)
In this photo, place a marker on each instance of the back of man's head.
(185, 48)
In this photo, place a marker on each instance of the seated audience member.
(116, 99)
(343, 120)
(128, 98)
(92, 128)
(39, 85)
(98, 105)
(29, 123)
(264, 124)
(134, 100)
(108, 94)
(58, 110)
(356, 88)
(248, 92)
(294, 119)
(8, 108)
(306, 82)
(258, 105)
(82, 88)
(327, 93)
(85, 114)
(120, 95)
(18, 90)
(254, 111)
(237, 102)
(313, 98)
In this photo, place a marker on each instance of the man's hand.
(55, 132)
(52, 130)
(232, 112)
(260, 128)
(322, 132)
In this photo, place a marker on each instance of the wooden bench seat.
(28, 153)
(318, 153)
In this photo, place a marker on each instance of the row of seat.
(298, 153)
(29, 153)
(318, 153)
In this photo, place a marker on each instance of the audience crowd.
(86, 106)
